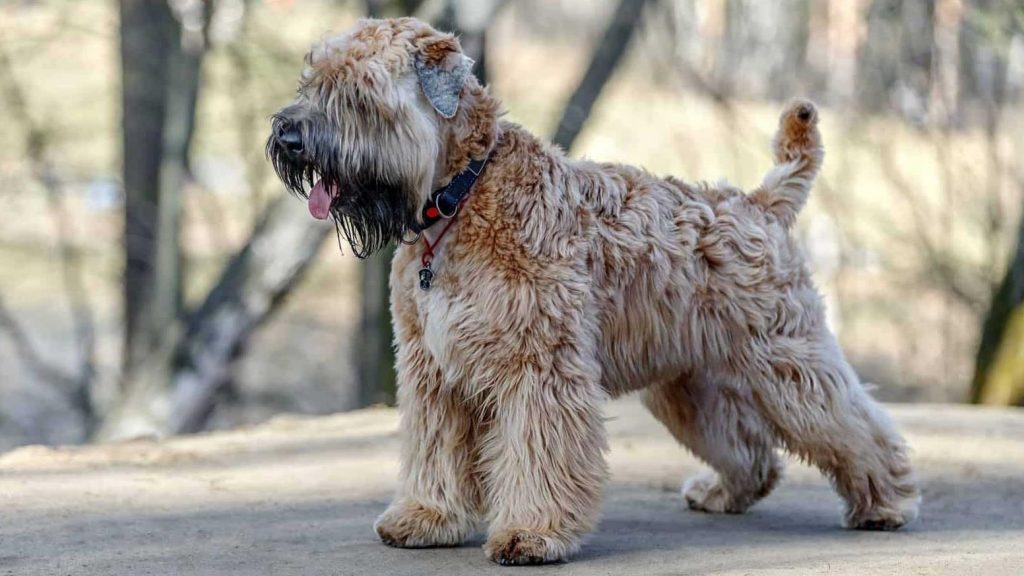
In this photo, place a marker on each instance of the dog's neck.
(471, 135)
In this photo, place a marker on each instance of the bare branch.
(610, 49)
(196, 358)
(28, 353)
(939, 266)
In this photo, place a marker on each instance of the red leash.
(426, 274)
(428, 253)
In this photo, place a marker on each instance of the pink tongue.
(320, 201)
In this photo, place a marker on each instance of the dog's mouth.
(321, 196)
(370, 209)
(369, 212)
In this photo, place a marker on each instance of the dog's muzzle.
(289, 138)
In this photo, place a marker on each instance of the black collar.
(444, 203)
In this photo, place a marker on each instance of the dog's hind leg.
(823, 414)
(720, 424)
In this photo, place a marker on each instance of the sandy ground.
(298, 496)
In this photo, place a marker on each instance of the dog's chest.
(443, 315)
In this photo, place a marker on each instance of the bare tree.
(185, 358)
(162, 51)
(197, 356)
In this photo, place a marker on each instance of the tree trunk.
(764, 48)
(895, 64)
(999, 366)
(161, 70)
(603, 62)
(183, 80)
(375, 352)
(149, 37)
(985, 37)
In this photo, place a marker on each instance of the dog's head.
(382, 113)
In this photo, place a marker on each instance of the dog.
(529, 287)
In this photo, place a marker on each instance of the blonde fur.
(565, 282)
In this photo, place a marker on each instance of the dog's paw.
(886, 509)
(412, 525)
(705, 493)
(525, 547)
(885, 519)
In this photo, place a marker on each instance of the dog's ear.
(442, 69)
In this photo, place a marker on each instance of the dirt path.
(298, 496)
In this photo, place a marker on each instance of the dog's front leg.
(543, 459)
(438, 499)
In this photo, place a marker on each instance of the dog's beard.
(370, 211)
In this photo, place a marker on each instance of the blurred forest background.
(155, 279)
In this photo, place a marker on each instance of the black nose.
(291, 138)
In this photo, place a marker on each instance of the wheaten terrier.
(530, 287)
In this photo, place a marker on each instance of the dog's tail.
(798, 156)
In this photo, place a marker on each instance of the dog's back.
(679, 272)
